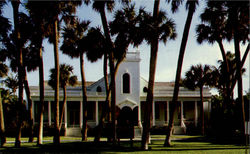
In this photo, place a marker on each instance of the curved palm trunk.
(30, 115)
(56, 138)
(2, 128)
(227, 89)
(107, 105)
(239, 78)
(238, 66)
(178, 73)
(41, 92)
(202, 112)
(150, 94)
(242, 64)
(15, 5)
(84, 100)
(112, 73)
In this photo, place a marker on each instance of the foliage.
(12, 83)
(198, 76)
(65, 76)
(10, 109)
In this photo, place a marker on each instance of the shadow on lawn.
(191, 144)
(73, 147)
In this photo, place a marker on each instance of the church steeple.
(128, 81)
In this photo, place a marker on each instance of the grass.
(182, 144)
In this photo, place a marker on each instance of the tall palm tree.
(15, 5)
(66, 78)
(97, 49)
(29, 59)
(214, 28)
(157, 28)
(238, 23)
(191, 6)
(74, 45)
(100, 6)
(124, 29)
(199, 76)
(61, 10)
(40, 18)
(3, 68)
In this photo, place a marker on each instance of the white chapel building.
(130, 101)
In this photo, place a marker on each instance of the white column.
(139, 115)
(65, 115)
(195, 113)
(49, 112)
(33, 114)
(167, 112)
(181, 113)
(81, 114)
(153, 113)
(96, 113)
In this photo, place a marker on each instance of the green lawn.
(190, 144)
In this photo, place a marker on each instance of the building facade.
(131, 91)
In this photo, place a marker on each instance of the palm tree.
(74, 45)
(214, 28)
(191, 6)
(63, 9)
(157, 28)
(40, 18)
(3, 69)
(12, 83)
(100, 7)
(15, 5)
(28, 58)
(66, 78)
(238, 23)
(124, 29)
(197, 77)
(97, 49)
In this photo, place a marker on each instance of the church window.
(126, 83)
(99, 89)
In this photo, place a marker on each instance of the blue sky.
(167, 55)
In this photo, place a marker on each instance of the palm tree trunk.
(15, 5)
(84, 99)
(112, 73)
(113, 98)
(107, 105)
(56, 139)
(63, 108)
(178, 73)
(242, 64)
(227, 89)
(30, 120)
(41, 92)
(238, 66)
(150, 94)
(202, 112)
(105, 71)
(2, 128)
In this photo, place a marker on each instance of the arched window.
(126, 83)
(98, 89)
